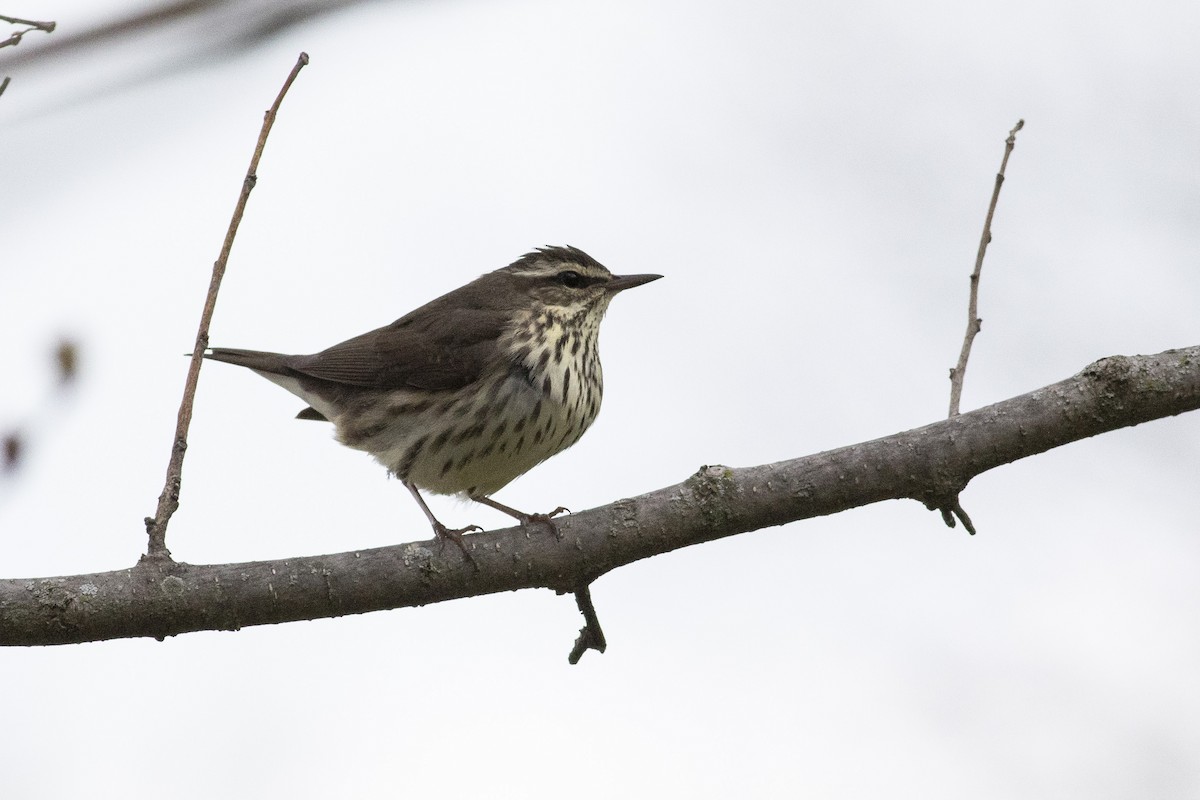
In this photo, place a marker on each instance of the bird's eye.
(571, 279)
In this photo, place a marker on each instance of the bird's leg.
(440, 531)
(527, 519)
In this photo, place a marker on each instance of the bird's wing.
(443, 350)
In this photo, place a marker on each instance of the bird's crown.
(553, 262)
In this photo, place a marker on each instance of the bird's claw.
(442, 533)
(547, 520)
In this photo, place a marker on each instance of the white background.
(812, 179)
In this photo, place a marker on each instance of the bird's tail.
(274, 363)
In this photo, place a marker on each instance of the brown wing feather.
(445, 344)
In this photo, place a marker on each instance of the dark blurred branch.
(225, 23)
(12, 447)
(145, 20)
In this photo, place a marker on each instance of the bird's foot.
(444, 534)
(440, 531)
(547, 520)
(528, 520)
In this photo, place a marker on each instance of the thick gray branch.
(159, 597)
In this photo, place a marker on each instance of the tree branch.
(162, 598)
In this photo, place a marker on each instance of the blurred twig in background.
(14, 442)
(14, 39)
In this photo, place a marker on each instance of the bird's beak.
(621, 282)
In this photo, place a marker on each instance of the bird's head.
(568, 282)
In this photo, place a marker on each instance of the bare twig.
(958, 372)
(590, 635)
(950, 505)
(168, 501)
(952, 509)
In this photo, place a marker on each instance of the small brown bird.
(472, 389)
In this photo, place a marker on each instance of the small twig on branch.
(168, 501)
(958, 372)
(952, 508)
(590, 635)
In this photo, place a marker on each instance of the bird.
(472, 389)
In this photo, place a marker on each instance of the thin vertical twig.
(168, 501)
(951, 507)
(974, 323)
